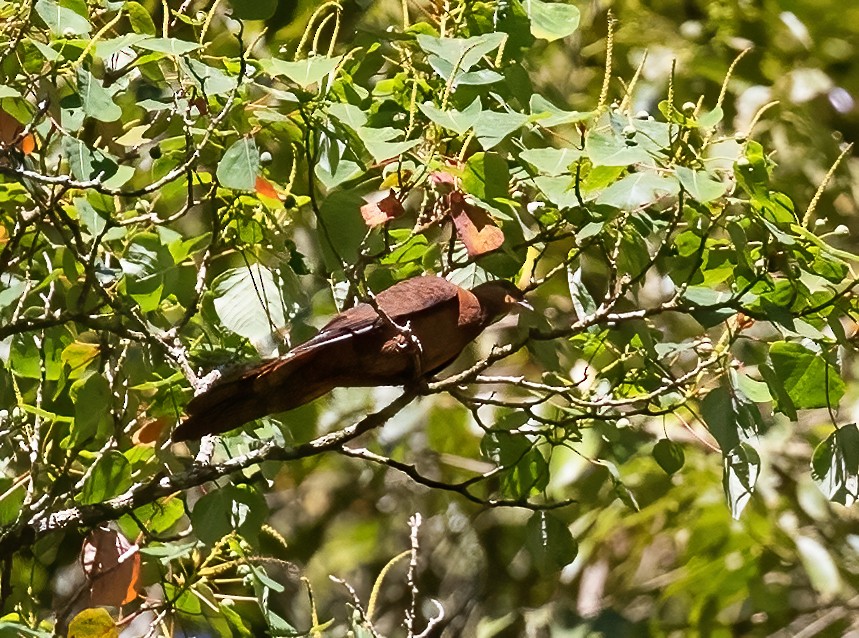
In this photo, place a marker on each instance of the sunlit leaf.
(303, 72)
(474, 227)
(61, 20)
(835, 465)
(551, 20)
(807, 378)
(249, 302)
(93, 623)
(741, 471)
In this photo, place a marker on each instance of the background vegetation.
(667, 446)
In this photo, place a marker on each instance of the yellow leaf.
(93, 623)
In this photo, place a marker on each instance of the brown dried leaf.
(474, 226)
(150, 431)
(383, 211)
(112, 567)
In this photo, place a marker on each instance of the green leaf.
(93, 401)
(559, 190)
(609, 150)
(583, 302)
(486, 176)
(62, 21)
(11, 499)
(226, 510)
(551, 161)
(741, 471)
(11, 288)
(378, 142)
(637, 190)
(86, 163)
(145, 265)
(669, 455)
(139, 18)
(97, 103)
(452, 58)
(549, 115)
(109, 477)
(302, 72)
(457, 121)
(549, 541)
(700, 185)
(717, 410)
(208, 79)
(349, 114)
(239, 167)
(9, 91)
(256, 10)
(525, 469)
(248, 301)
(491, 128)
(835, 465)
(551, 20)
(807, 378)
(158, 517)
(173, 46)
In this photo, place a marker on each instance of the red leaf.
(265, 188)
(474, 227)
(383, 211)
(150, 430)
(112, 566)
(10, 131)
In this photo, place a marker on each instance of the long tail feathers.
(274, 386)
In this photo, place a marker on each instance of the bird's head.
(497, 298)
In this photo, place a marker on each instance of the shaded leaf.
(239, 167)
(229, 509)
(111, 564)
(486, 176)
(550, 542)
(669, 455)
(256, 10)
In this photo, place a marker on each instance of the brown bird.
(424, 324)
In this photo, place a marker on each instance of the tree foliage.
(181, 193)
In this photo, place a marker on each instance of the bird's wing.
(399, 302)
